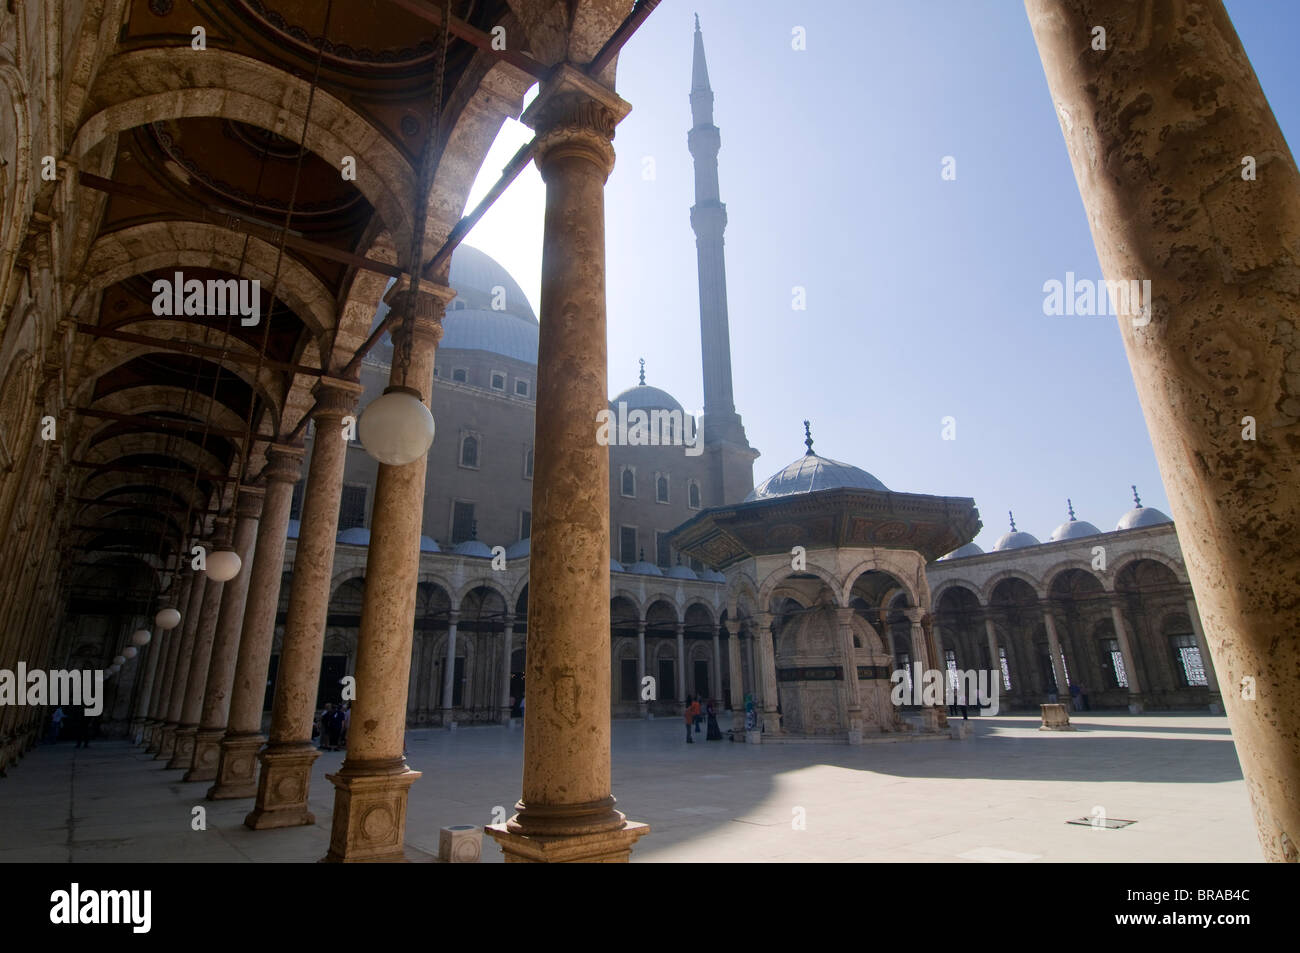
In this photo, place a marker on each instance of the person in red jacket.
(692, 712)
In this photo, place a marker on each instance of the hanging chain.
(428, 158)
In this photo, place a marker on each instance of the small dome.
(357, 536)
(1015, 540)
(429, 545)
(681, 572)
(1142, 516)
(292, 530)
(811, 473)
(712, 575)
(518, 549)
(1074, 529)
(645, 397)
(616, 566)
(473, 547)
(961, 552)
(645, 569)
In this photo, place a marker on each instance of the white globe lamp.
(141, 637)
(223, 565)
(397, 428)
(167, 619)
(129, 652)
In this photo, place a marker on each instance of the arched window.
(629, 481)
(661, 489)
(469, 452)
(693, 495)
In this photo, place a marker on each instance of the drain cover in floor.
(1110, 823)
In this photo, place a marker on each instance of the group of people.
(332, 726)
(83, 725)
(696, 714)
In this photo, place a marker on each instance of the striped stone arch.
(986, 595)
(1136, 555)
(955, 583)
(1106, 580)
(620, 592)
(713, 611)
(777, 578)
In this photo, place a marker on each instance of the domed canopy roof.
(292, 528)
(1014, 539)
(645, 397)
(1073, 528)
(1141, 515)
(682, 572)
(970, 549)
(712, 575)
(518, 549)
(811, 473)
(645, 569)
(429, 545)
(357, 536)
(616, 566)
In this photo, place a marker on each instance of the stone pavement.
(1003, 795)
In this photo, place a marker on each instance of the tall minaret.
(731, 460)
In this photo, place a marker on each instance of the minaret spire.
(730, 457)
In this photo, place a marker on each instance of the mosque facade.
(1107, 617)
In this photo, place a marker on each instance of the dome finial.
(643, 372)
(1070, 506)
(1012, 516)
(807, 439)
(1137, 500)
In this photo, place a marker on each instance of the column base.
(1136, 705)
(183, 749)
(771, 722)
(369, 812)
(207, 753)
(237, 767)
(282, 787)
(601, 847)
(166, 743)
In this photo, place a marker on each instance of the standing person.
(56, 722)
(692, 712)
(1074, 697)
(85, 727)
(346, 721)
(329, 733)
(714, 733)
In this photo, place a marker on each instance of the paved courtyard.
(1005, 794)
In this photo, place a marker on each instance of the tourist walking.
(692, 712)
(714, 733)
(56, 722)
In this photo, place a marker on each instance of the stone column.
(933, 718)
(1135, 698)
(149, 674)
(181, 667)
(372, 786)
(642, 705)
(995, 660)
(764, 638)
(284, 781)
(196, 682)
(716, 686)
(737, 676)
(237, 763)
(1058, 664)
(852, 691)
(167, 640)
(567, 809)
(1187, 181)
(449, 672)
(507, 646)
(681, 667)
(225, 644)
(1211, 679)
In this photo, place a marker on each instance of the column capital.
(575, 115)
(453, 616)
(844, 614)
(915, 614)
(249, 504)
(283, 464)
(335, 397)
(640, 626)
(508, 620)
(763, 620)
(681, 628)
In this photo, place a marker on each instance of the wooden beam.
(212, 216)
(431, 13)
(164, 471)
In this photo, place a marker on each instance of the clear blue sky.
(924, 296)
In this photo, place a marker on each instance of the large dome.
(811, 473)
(645, 397)
(471, 323)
